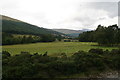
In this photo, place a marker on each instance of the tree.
(109, 36)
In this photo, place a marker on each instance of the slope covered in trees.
(103, 35)
(10, 25)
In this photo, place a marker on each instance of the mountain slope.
(10, 25)
(73, 33)
(67, 31)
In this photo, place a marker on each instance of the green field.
(53, 48)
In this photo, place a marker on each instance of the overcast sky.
(68, 14)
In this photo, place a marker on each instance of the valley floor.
(53, 48)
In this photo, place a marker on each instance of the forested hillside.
(10, 25)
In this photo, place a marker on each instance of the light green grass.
(53, 48)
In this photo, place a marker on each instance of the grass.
(53, 48)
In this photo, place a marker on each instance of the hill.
(10, 25)
(18, 32)
(73, 33)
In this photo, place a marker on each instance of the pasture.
(53, 48)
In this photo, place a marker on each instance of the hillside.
(73, 33)
(10, 25)
(68, 31)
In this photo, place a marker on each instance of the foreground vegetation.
(53, 48)
(36, 65)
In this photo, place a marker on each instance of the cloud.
(107, 21)
(70, 14)
(111, 7)
(90, 16)
(98, 13)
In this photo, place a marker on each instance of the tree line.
(26, 65)
(9, 39)
(103, 35)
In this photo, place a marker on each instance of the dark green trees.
(47, 38)
(107, 35)
(9, 39)
(87, 36)
(103, 35)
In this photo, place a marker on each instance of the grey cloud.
(102, 18)
(110, 7)
(86, 21)
(119, 9)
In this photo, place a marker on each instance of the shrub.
(45, 66)
(98, 51)
(5, 54)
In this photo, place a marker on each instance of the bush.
(115, 51)
(98, 51)
(43, 66)
(5, 54)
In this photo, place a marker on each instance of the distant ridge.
(70, 32)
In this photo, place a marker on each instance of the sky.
(63, 14)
